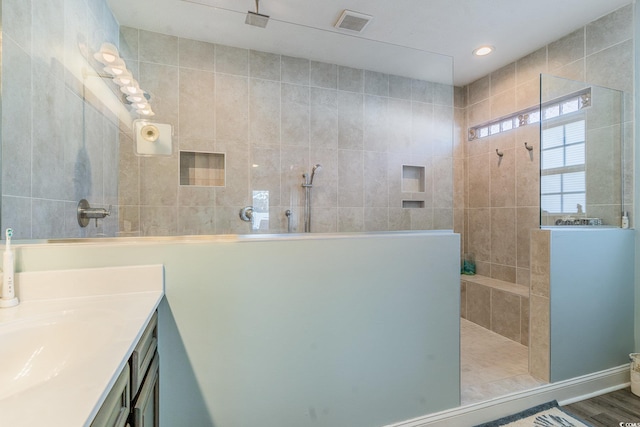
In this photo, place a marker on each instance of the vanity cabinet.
(116, 408)
(133, 399)
(145, 407)
(145, 381)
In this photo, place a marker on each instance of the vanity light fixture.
(115, 67)
(483, 50)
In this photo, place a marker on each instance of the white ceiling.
(409, 29)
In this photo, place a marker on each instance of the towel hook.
(499, 153)
(528, 147)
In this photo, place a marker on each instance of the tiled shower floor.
(491, 365)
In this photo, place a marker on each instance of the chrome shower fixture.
(307, 185)
(256, 18)
(313, 172)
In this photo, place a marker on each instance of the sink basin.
(37, 350)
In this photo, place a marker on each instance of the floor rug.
(545, 415)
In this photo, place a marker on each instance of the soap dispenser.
(625, 220)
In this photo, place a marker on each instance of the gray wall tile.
(157, 48)
(609, 30)
(296, 70)
(324, 75)
(196, 54)
(231, 60)
(263, 65)
(350, 79)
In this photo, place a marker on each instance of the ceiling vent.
(353, 21)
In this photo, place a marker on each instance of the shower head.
(256, 18)
(315, 168)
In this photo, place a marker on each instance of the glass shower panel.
(581, 153)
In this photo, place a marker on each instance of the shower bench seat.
(499, 306)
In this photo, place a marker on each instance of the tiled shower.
(498, 183)
(384, 142)
(501, 194)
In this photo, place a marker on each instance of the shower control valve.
(87, 213)
(246, 213)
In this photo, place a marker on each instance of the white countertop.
(63, 347)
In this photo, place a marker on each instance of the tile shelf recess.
(413, 179)
(413, 203)
(202, 169)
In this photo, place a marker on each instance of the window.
(551, 110)
(562, 181)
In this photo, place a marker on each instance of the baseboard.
(565, 392)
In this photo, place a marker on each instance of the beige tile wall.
(501, 196)
(496, 308)
(284, 115)
(540, 332)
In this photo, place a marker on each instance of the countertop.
(64, 346)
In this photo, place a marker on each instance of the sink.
(33, 351)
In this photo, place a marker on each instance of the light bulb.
(132, 89)
(124, 79)
(145, 112)
(108, 57)
(135, 98)
(483, 50)
(107, 54)
(116, 68)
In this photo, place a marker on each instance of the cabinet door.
(115, 409)
(143, 354)
(145, 409)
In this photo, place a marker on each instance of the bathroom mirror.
(250, 111)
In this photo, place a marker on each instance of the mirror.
(241, 115)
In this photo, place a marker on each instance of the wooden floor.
(608, 410)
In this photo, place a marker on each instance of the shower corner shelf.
(202, 169)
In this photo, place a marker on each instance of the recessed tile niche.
(202, 169)
(413, 186)
(413, 204)
(412, 179)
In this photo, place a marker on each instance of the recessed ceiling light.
(483, 50)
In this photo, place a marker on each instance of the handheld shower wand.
(313, 172)
(307, 185)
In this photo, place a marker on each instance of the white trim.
(565, 392)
